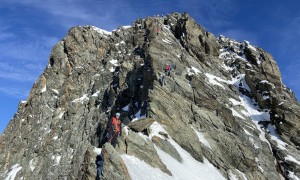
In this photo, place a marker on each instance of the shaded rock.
(113, 167)
(140, 125)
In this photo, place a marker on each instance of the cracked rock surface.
(224, 102)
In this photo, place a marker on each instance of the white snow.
(188, 169)
(227, 67)
(243, 175)
(96, 94)
(55, 91)
(235, 113)
(32, 164)
(167, 41)
(234, 102)
(232, 176)
(126, 108)
(112, 69)
(122, 42)
(274, 136)
(13, 172)
(61, 114)
(126, 130)
(55, 138)
(195, 70)
(56, 160)
(291, 158)
(138, 116)
(97, 150)
(240, 79)
(280, 103)
(114, 62)
(101, 31)
(138, 169)
(44, 89)
(202, 139)
(252, 110)
(293, 176)
(247, 132)
(82, 99)
(126, 27)
(223, 54)
(192, 71)
(23, 102)
(267, 82)
(214, 80)
(265, 97)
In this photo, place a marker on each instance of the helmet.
(118, 114)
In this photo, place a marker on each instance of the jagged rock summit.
(223, 113)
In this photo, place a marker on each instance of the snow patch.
(55, 138)
(292, 159)
(274, 136)
(214, 80)
(234, 102)
(138, 116)
(188, 169)
(97, 150)
(232, 176)
(112, 69)
(82, 99)
(96, 94)
(44, 89)
(196, 70)
(32, 164)
(293, 176)
(138, 169)
(13, 172)
(242, 174)
(114, 62)
(101, 31)
(126, 108)
(61, 114)
(55, 91)
(56, 160)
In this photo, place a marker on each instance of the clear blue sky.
(30, 28)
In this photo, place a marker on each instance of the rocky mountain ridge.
(224, 109)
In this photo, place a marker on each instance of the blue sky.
(30, 28)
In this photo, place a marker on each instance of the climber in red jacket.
(115, 129)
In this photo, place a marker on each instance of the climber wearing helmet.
(115, 129)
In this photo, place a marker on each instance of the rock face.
(224, 103)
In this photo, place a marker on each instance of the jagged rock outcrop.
(224, 104)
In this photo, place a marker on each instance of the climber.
(115, 130)
(158, 29)
(99, 163)
(168, 69)
(162, 80)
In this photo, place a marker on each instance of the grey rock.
(67, 111)
(147, 153)
(167, 147)
(140, 125)
(113, 167)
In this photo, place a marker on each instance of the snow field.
(188, 169)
